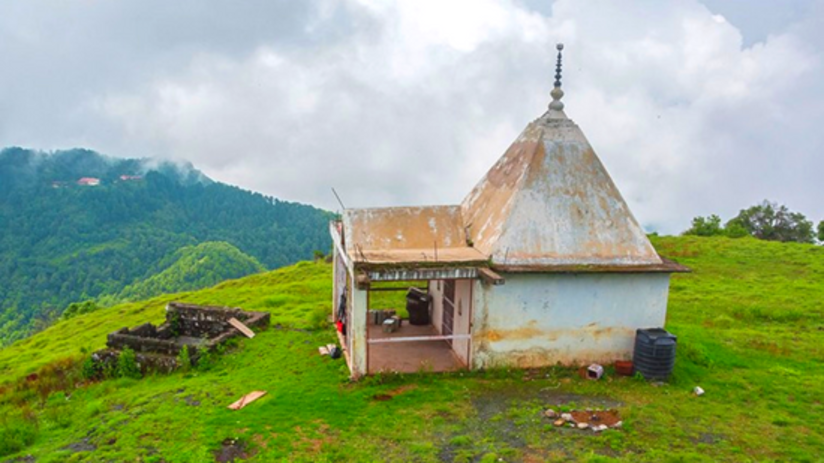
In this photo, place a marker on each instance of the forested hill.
(78, 225)
(190, 268)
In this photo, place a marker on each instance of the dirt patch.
(314, 442)
(232, 450)
(606, 417)
(24, 459)
(494, 426)
(80, 446)
(401, 389)
(388, 395)
(260, 441)
(707, 438)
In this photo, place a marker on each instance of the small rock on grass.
(567, 417)
(550, 413)
(583, 425)
(559, 422)
(618, 424)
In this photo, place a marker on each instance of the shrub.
(109, 370)
(127, 365)
(184, 361)
(318, 318)
(17, 433)
(59, 415)
(79, 308)
(90, 369)
(174, 324)
(206, 359)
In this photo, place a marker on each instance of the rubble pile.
(595, 419)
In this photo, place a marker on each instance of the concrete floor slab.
(410, 356)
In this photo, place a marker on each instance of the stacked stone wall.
(157, 347)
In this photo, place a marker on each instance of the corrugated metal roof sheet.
(427, 234)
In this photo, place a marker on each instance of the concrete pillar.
(357, 329)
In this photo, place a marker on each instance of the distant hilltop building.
(128, 178)
(541, 264)
(89, 181)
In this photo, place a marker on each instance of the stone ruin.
(199, 328)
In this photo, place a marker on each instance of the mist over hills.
(24, 168)
(79, 225)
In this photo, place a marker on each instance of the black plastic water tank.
(654, 354)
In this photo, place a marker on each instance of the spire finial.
(557, 93)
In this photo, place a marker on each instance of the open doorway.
(419, 344)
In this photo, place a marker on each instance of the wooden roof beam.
(490, 277)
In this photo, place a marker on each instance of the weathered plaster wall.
(542, 319)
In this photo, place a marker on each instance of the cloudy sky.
(694, 107)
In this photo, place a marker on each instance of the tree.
(769, 221)
(711, 226)
(821, 231)
(706, 226)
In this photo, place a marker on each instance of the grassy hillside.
(750, 323)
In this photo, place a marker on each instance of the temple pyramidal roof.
(547, 205)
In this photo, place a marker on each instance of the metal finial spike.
(557, 93)
(559, 47)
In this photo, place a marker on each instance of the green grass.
(749, 321)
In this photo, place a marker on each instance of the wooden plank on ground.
(241, 327)
(247, 399)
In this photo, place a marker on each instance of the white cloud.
(409, 102)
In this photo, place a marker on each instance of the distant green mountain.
(194, 267)
(77, 225)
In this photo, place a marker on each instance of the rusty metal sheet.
(394, 228)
